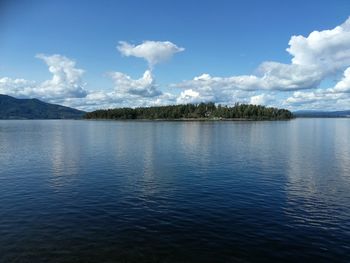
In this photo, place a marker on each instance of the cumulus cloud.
(273, 76)
(189, 96)
(98, 99)
(112, 99)
(319, 56)
(328, 50)
(344, 84)
(337, 96)
(316, 57)
(228, 90)
(66, 87)
(153, 52)
(207, 82)
(317, 99)
(66, 81)
(206, 88)
(143, 87)
(127, 92)
(20, 88)
(261, 99)
(288, 77)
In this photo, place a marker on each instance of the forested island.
(201, 111)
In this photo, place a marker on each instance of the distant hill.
(322, 114)
(12, 108)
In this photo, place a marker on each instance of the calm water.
(105, 191)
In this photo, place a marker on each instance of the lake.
(162, 191)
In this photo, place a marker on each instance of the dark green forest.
(194, 111)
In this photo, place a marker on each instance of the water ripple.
(95, 191)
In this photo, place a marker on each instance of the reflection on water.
(105, 191)
(341, 150)
(317, 194)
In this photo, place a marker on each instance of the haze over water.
(143, 191)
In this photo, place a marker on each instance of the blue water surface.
(161, 191)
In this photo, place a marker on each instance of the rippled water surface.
(110, 191)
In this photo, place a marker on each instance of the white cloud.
(189, 96)
(344, 84)
(205, 88)
(20, 88)
(153, 52)
(205, 81)
(165, 99)
(66, 81)
(261, 99)
(287, 77)
(67, 88)
(106, 100)
(320, 56)
(273, 76)
(142, 87)
(228, 90)
(328, 50)
(94, 100)
(127, 92)
(329, 98)
(317, 99)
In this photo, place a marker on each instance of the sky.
(105, 54)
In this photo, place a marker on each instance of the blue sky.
(222, 41)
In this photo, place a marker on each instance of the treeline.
(194, 111)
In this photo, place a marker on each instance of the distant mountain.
(322, 114)
(12, 108)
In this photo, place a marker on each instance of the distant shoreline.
(189, 119)
(184, 119)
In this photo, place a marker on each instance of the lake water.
(143, 191)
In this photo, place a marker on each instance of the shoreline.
(191, 119)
